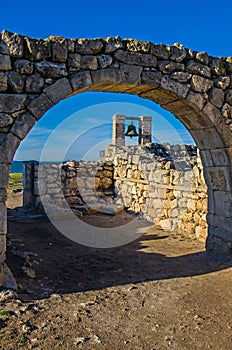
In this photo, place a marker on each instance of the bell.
(131, 131)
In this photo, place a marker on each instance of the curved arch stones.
(36, 74)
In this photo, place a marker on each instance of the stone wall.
(82, 185)
(164, 183)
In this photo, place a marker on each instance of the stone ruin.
(163, 183)
(36, 74)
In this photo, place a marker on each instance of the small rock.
(6, 295)
(34, 342)
(79, 340)
(29, 272)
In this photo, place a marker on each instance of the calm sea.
(17, 166)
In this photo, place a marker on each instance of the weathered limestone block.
(161, 51)
(39, 106)
(14, 42)
(81, 80)
(202, 57)
(74, 61)
(22, 125)
(104, 60)
(16, 82)
(198, 69)
(89, 62)
(151, 78)
(213, 113)
(196, 99)
(168, 67)
(59, 90)
(182, 77)
(5, 62)
(200, 84)
(174, 86)
(140, 59)
(10, 103)
(227, 113)
(216, 97)
(131, 74)
(218, 66)
(3, 82)
(24, 66)
(89, 46)
(113, 44)
(59, 49)
(134, 45)
(178, 52)
(37, 49)
(5, 120)
(34, 84)
(51, 69)
(222, 82)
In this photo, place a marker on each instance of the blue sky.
(199, 25)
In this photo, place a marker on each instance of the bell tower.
(118, 129)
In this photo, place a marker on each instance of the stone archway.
(36, 74)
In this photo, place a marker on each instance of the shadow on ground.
(63, 266)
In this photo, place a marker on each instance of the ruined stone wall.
(81, 185)
(165, 183)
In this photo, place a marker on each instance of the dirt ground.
(159, 292)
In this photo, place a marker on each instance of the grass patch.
(4, 313)
(15, 182)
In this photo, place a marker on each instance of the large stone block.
(5, 120)
(81, 80)
(199, 69)
(59, 90)
(130, 74)
(24, 66)
(59, 49)
(213, 113)
(34, 84)
(23, 125)
(216, 97)
(110, 75)
(151, 78)
(37, 49)
(200, 84)
(40, 105)
(10, 103)
(14, 42)
(173, 86)
(51, 69)
(89, 62)
(89, 46)
(16, 82)
(134, 45)
(139, 59)
(74, 61)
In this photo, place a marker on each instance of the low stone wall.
(163, 182)
(76, 183)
